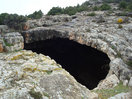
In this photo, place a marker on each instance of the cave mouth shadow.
(86, 64)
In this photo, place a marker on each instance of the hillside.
(82, 55)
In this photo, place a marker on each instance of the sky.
(25, 7)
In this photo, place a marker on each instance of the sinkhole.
(88, 65)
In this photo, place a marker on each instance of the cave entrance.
(86, 64)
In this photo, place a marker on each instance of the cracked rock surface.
(27, 75)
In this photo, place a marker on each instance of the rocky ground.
(27, 75)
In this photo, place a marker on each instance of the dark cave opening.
(86, 64)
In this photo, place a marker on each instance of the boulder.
(100, 19)
(122, 96)
(118, 67)
(130, 82)
(108, 83)
(13, 41)
(4, 29)
(27, 75)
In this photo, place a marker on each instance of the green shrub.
(129, 63)
(95, 8)
(92, 14)
(35, 95)
(123, 4)
(36, 15)
(105, 6)
(129, 6)
(12, 20)
(119, 20)
(55, 11)
(120, 26)
(106, 93)
(69, 10)
(88, 30)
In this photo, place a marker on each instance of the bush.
(120, 20)
(120, 27)
(36, 15)
(95, 8)
(35, 95)
(69, 10)
(92, 14)
(129, 63)
(55, 11)
(129, 7)
(123, 4)
(105, 6)
(12, 20)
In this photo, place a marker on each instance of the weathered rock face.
(47, 21)
(27, 75)
(11, 42)
(122, 96)
(105, 36)
(109, 82)
(4, 29)
(85, 63)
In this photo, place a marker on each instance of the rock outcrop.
(10, 42)
(122, 96)
(27, 75)
(101, 32)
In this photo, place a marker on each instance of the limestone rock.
(130, 82)
(125, 82)
(122, 96)
(108, 83)
(119, 68)
(103, 36)
(4, 29)
(13, 41)
(100, 19)
(47, 21)
(27, 75)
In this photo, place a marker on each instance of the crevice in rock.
(86, 64)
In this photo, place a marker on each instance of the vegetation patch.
(35, 95)
(7, 44)
(129, 63)
(92, 14)
(105, 6)
(88, 30)
(106, 93)
(46, 94)
(16, 57)
(120, 26)
(69, 10)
